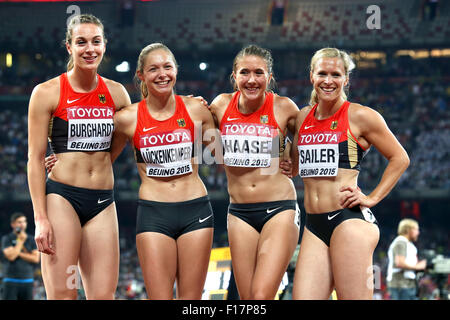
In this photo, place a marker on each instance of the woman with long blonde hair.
(332, 137)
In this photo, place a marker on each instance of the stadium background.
(403, 71)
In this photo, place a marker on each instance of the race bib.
(167, 154)
(90, 128)
(318, 154)
(247, 145)
(367, 214)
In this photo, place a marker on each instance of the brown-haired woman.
(263, 215)
(74, 210)
(174, 217)
(332, 137)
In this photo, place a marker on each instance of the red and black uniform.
(82, 121)
(324, 146)
(166, 148)
(250, 140)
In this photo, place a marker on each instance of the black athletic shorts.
(174, 218)
(257, 214)
(322, 225)
(87, 202)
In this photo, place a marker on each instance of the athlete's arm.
(121, 100)
(50, 162)
(286, 162)
(119, 94)
(301, 115)
(124, 126)
(209, 135)
(286, 109)
(372, 127)
(43, 99)
(200, 99)
(218, 107)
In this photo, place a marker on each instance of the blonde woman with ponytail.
(332, 137)
(174, 227)
(74, 209)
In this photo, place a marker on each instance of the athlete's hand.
(286, 167)
(201, 99)
(352, 196)
(50, 162)
(44, 237)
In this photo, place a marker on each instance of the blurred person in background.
(19, 249)
(403, 262)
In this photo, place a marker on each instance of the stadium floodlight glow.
(9, 60)
(203, 66)
(123, 67)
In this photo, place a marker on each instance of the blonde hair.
(405, 225)
(349, 65)
(77, 20)
(254, 50)
(141, 63)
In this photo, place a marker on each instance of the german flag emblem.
(102, 98)
(334, 125)
(181, 123)
(264, 118)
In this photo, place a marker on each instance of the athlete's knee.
(262, 293)
(354, 294)
(100, 294)
(155, 295)
(245, 297)
(190, 296)
(61, 293)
